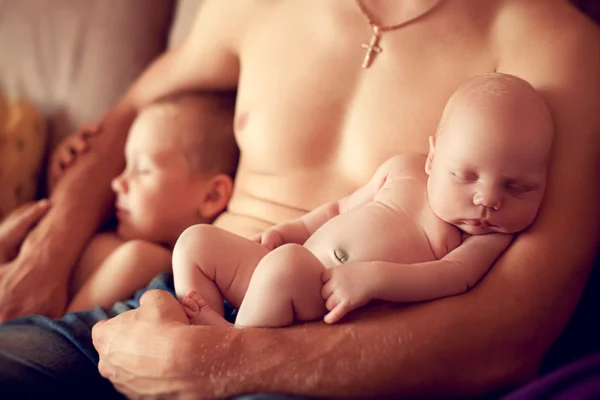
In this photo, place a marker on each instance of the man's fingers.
(65, 158)
(33, 213)
(23, 220)
(78, 146)
(98, 335)
(155, 298)
(89, 130)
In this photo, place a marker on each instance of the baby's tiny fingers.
(332, 302)
(189, 304)
(337, 313)
(326, 291)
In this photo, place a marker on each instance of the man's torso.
(313, 126)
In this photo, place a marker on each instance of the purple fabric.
(577, 380)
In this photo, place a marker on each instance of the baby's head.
(180, 156)
(488, 161)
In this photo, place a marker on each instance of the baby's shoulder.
(406, 166)
(406, 163)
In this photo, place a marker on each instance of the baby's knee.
(286, 264)
(194, 237)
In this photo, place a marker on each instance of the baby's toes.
(189, 304)
(197, 298)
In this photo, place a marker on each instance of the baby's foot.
(199, 312)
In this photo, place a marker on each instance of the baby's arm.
(456, 273)
(351, 286)
(299, 230)
(94, 254)
(127, 269)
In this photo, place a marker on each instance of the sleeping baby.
(423, 228)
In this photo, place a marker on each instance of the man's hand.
(15, 227)
(22, 293)
(345, 288)
(136, 347)
(67, 152)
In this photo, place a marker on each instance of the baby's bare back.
(397, 226)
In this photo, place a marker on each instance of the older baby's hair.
(204, 121)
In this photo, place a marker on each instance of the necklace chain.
(373, 47)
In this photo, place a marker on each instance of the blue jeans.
(40, 356)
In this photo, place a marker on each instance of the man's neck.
(392, 12)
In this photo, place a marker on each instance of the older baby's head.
(488, 162)
(181, 156)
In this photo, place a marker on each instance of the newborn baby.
(421, 229)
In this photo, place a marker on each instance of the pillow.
(23, 140)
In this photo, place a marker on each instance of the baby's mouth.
(483, 223)
(121, 212)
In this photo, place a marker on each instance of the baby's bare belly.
(371, 233)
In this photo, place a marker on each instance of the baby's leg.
(199, 312)
(215, 264)
(286, 287)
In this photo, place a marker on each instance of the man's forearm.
(82, 198)
(390, 352)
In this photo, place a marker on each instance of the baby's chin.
(127, 232)
(479, 230)
(124, 232)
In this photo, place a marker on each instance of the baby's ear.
(215, 197)
(429, 161)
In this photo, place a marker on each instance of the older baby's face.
(156, 196)
(487, 172)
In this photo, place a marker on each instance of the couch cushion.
(75, 58)
(22, 147)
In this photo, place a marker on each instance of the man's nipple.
(341, 255)
(241, 121)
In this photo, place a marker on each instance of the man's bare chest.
(307, 100)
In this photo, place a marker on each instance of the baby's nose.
(118, 184)
(488, 199)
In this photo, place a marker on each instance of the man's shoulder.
(556, 48)
(544, 32)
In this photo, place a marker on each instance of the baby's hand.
(67, 151)
(345, 288)
(271, 239)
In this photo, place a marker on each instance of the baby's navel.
(341, 255)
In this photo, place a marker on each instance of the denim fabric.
(41, 356)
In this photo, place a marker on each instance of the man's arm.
(207, 60)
